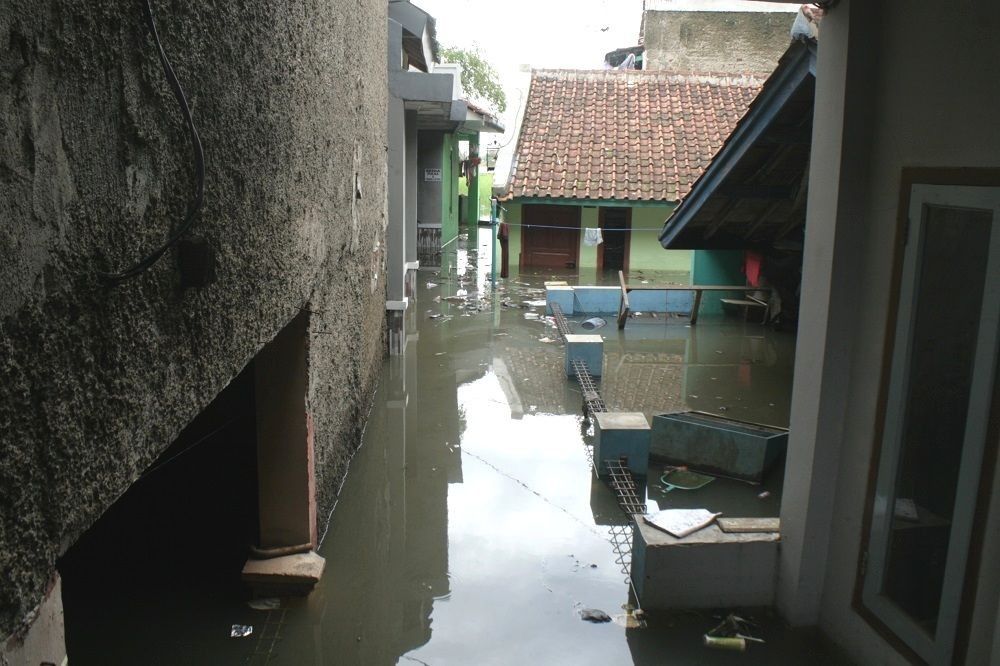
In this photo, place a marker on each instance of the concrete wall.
(430, 155)
(706, 41)
(717, 267)
(96, 169)
(874, 117)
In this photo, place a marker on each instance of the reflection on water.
(471, 530)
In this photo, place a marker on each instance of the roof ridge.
(669, 76)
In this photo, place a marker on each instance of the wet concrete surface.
(471, 529)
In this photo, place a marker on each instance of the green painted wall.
(485, 192)
(588, 255)
(717, 267)
(645, 251)
(449, 189)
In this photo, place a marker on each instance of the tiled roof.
(620, 134)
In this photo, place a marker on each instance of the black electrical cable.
(199, 164)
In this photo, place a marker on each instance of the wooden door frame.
(628, 235)
(910, 176)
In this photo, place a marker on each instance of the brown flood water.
(471, 529)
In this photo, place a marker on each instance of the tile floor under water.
(470, 529)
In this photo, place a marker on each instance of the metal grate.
(592, 400)
(268, 637)
(561, 324)
(620, 537)
(625, 487)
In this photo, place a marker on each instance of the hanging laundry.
(592, 237)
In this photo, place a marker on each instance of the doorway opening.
(174, 543)
(616, 225)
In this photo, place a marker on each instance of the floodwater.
(471, 529)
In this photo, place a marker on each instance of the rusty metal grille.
(592, 400)
(625, 488)
(561, 324)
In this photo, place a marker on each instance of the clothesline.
(603, 230)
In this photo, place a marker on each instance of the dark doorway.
(170, 551)
(551, 236)
(615, 223)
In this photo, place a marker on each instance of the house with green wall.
(440, 170)
(602, 159)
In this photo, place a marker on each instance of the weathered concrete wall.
(725, 42)
(95, 169)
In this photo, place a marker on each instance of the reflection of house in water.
(660, 367)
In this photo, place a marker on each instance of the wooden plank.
(623, 306)
(749, 525)
(694, 308)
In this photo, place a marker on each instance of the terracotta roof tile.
(627, 135)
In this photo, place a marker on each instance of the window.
(940, 389)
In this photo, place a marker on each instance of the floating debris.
(681, 478)
(240, 630)
(592, 323)
(764, 495)
(431, 285)
(546, 339)
(594, 615)
(732, 633)
(536, 304)
(531, 315)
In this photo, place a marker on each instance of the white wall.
(934, 101)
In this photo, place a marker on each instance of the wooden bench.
(624, 307)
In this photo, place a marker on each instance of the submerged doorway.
(616, 224)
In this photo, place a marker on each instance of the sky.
(517, 35)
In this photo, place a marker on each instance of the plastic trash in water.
(594, 615)
(592, 323)
(684, 479)
(267, 603)
(240, 630)
(733, 633)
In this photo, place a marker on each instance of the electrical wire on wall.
(147, 261)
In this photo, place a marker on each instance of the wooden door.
(550, 237)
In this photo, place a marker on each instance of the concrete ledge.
(595, 300)
(588, 348)
(560, 294)
(291, 575)
(397, 305)
(707, 569)
(620, 435)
